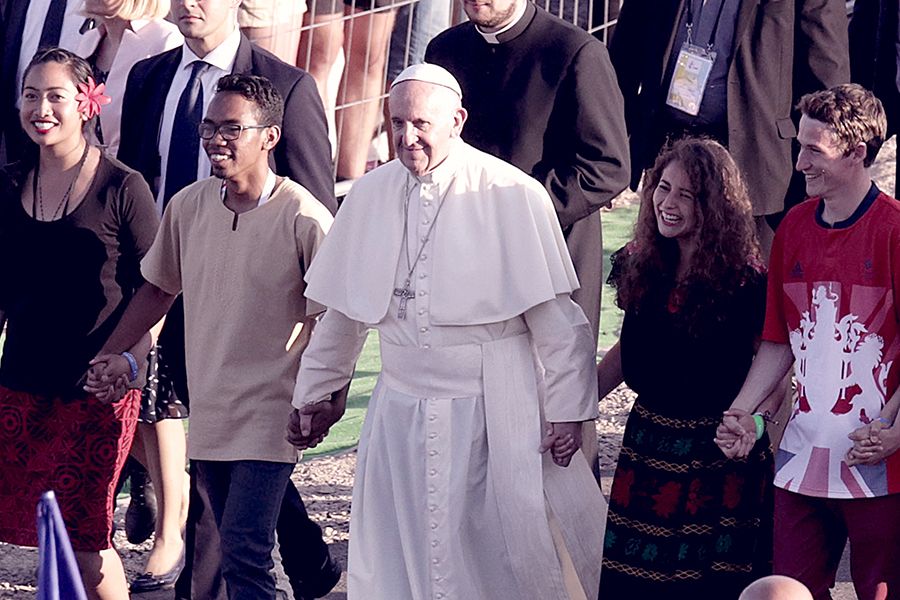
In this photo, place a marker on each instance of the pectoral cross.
(405, 294)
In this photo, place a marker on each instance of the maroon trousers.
(810, 535)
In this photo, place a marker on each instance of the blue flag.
(58, 574)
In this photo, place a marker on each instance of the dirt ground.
(326, 484)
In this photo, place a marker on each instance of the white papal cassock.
(452, 499)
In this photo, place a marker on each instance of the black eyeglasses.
(228, 131)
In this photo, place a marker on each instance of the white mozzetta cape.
(451, 498)
(499, 252)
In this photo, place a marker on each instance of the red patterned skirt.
(74, 447)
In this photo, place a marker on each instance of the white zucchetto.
(429, 73)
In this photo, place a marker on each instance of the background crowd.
(101, 102)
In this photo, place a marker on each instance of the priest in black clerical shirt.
(542, 94)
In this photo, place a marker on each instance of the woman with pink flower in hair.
(74, 225)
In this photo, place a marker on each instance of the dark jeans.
(245, 497)
(303, 551)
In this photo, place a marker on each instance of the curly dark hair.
(728, 246)
(259, 91)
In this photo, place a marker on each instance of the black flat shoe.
(148, 582)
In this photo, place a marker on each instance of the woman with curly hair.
(683, 521)
(74, 225)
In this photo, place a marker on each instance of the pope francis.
(470, 483)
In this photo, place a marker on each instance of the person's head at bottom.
(427, 116)
(776, 587)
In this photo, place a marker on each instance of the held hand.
(562, 440)
(308, 426)
(104, 371)
(736, 434)
(92, 379)
(114, 391)
(872, 443)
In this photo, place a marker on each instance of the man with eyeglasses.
(165, 99)
(236, 246)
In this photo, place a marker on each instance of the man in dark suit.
(768, 53)
(164, 99)
(305, 152)
(874, 55)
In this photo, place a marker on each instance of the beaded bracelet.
(760, 425)
(132, 364)
(885, 421)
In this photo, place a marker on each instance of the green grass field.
(617, 226)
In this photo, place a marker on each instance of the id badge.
(689, 79)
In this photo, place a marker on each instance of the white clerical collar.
(221, 57)
(491, 38)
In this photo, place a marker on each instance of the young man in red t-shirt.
(832, 313)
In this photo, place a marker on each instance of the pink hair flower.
(91, 98)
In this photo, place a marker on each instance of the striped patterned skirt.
(683, 519)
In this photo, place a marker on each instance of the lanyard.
(689, 23)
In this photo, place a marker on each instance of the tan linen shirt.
(242, 280)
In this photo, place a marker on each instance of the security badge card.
(690, 77)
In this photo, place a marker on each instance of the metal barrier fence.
(354, 48)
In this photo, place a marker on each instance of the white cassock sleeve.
(327, 363)
(564, 344)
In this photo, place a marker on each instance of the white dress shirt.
(221, 62)
(69, 37)
(142, 40)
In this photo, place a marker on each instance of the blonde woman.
(126, 32)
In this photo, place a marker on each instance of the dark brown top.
(64, 284)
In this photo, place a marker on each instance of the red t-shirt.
(832, 297)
